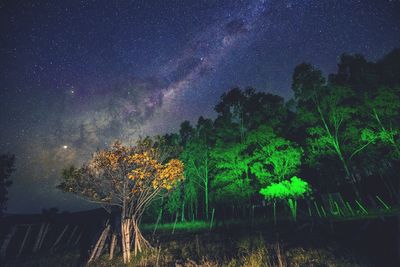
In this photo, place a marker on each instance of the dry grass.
(246, 252)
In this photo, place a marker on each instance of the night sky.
(76, 75)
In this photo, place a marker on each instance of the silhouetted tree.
(7, 162)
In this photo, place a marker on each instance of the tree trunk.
(206, 186)
(126, 244)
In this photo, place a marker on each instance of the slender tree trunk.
(126, 244)
(206, 186)
(183, 212)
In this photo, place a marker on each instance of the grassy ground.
(252, 250)
(239, 243)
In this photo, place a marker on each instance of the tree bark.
(125, 234)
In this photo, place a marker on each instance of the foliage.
(295, 188)
(123, 176)
(383, 109)
(232, 179)
(274, 158)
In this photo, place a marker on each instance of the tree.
(196, 156)
(232, 181)
(273, 160)
(329, 114)
(383, 117)
(287, 190)
(307, 82)
(356, 72)
(7, 162)
(129, 178)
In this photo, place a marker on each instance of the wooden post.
(102, 242)
(43, 236)
(60, 236)
(24, 240)
(6, 242)
(77, 239)
(112, 247)
(96, 252)
(72, 234)
(39, 237)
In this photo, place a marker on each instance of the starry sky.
(76, 75)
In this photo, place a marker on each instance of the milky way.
(77, 75)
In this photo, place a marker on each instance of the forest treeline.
(337, 134)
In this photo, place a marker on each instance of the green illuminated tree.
(232, 181)
(331, 117)
(273, 158)
(287, 190)
(383, 109)
(329, 135)
(273, 161)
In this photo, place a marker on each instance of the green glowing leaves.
(293, 189)
(383, 109)
(231, 180)
(274, 158)
(383, 135)
(287, 190)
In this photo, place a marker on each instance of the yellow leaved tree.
(129, 178)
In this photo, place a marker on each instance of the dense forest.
(337, 135)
